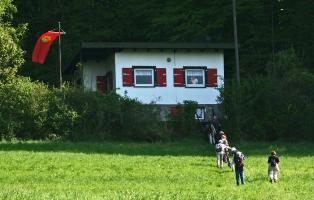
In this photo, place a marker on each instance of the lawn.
(180, 170)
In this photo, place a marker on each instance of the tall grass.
(181, 170)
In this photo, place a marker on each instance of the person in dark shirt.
(239, 167)
(211, 134)
(217, 126)
(273, 167)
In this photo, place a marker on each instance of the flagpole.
(235, 32)
(60, 63)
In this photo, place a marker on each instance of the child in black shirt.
(273, 167)
(239, 167)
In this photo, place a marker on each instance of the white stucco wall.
(169, 94)
(91, 69)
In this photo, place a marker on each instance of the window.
(200, 113)
(195, 78)
(144, 77)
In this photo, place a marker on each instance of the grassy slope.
(185, 170)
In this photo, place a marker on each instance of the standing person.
(233, 153)
(273, 167)
(211, 134)
(220, 152)
(226, 155)
(224, 138)
(239, 167)
(217, 127)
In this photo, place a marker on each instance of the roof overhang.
(155, 45)
(100, 50)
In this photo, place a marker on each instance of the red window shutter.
(211, 78)
(178, 77)
(161, 77)
(127, 77)
(101, 83)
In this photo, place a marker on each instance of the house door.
(101, 83)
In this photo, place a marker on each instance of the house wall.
(93, 68)
(170, 94)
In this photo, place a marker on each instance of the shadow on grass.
(181, 148)
(186, 148)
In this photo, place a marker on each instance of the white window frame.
(194, 85)
(202, 113)
(144, 85)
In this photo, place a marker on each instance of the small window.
(200, 113)
(144, 77)
(195, 78)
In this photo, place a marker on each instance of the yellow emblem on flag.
(46, 39)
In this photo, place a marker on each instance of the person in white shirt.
(220, 152)
(226, 155)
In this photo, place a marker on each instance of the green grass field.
(182, 170)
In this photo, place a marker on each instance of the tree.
(11, 54)
(261, 23)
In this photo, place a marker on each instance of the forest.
(274, 99)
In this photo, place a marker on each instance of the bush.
(30, 110)
(109, 116)
(23, 108)
(140, 121)
(61, 117)
(184, 123)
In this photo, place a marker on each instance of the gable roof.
(99, 50)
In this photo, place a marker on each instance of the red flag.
(43, 45)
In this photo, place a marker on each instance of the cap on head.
(233, 149)
(221, 132)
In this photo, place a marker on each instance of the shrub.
(183, 124)
(139, 121)
(30, 110)
(109, 116)
(23, 108)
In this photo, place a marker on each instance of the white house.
(163, 73)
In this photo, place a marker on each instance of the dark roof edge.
(155, 45)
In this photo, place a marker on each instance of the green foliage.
(108, 116)
(184, 123)
(60, 116)
(181, 170)
(23, 108)
(7, 75)
(30, 110)
(10, 37)
(96, 113)
(276, 106)
(263, 27)
(140, 121)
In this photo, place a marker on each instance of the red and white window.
(144, 76)
(195, 77)
(151, 76)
